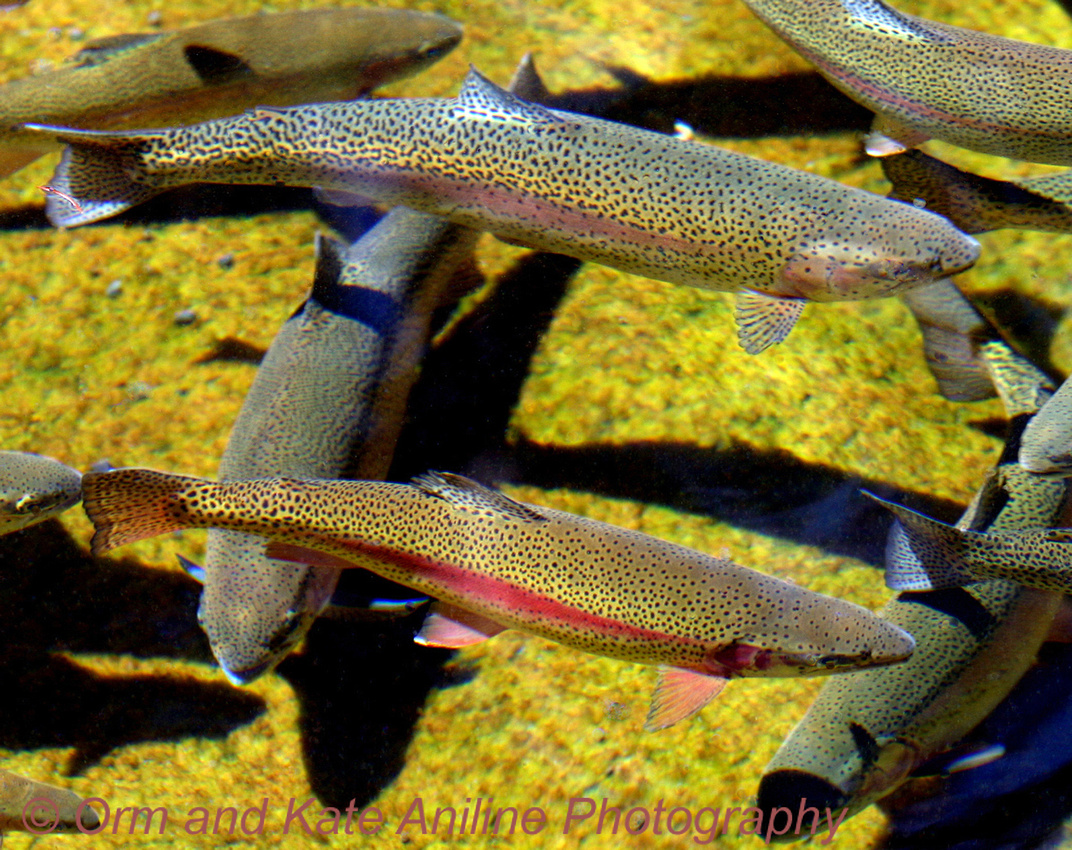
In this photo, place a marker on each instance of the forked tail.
(127, 505)
(93, 178)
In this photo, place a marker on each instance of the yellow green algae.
(87, 377)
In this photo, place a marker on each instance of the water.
(582, 389)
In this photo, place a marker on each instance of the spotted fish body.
(1047, 445)
(929, 80)
(979, 204)
(26, 803)
(220, 68)
(495, 563)
(34, 488)
(867, 732)
(655, 205)
(330, 395)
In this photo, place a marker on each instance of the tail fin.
(93, 179)
(923, 554)
(127, 505)
(952, 330)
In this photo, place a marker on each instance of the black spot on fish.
(216, 67)
(865, 742)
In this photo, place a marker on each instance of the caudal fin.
(923, 554)
(127, 505)
(93, 179)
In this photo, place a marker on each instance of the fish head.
(255, 610)
(822, 635)
(409, 43)
(34, 488)
(844, 264)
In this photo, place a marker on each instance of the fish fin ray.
(453, 627)
(680, 694)
(91, 181)
(923, 553)
(481, 100)
(952, 329)
(764, 320)
(889, 136)
(297, 554)
(468, 495)
(127, 505)
(195, 571)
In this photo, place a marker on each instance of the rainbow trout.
(34, 488)
(330, 395)
(869, 732)
(929, 80)
(220, 68)
(40, 808)
(496, 564)
(1047, 445)
(655, 205)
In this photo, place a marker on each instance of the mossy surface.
(108, 687)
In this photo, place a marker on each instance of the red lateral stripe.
(482, 589)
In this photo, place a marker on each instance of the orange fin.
(680, 694)
(304, 555)
(765, 320)
(127, 505)
(454, 627)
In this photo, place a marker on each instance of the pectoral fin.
(764, 320)
(889, 136)
(680, 694)
(453, 627)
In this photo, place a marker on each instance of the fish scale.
(927, 79)
(646, 203)
(495, 563)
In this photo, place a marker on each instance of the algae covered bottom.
(634, 407)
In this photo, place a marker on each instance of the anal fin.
(765, 320)
(889, 136)
(453, 627)
(680, 694)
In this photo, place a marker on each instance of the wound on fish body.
(646, 203)
(494, 563)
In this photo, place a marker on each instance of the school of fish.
(278, 99)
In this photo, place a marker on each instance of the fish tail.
(127, 505)
(93, 179)
(952, 331)
(923, 553)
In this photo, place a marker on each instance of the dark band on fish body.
(957, 603)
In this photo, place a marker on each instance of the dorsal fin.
(481, 100)
(468, 495)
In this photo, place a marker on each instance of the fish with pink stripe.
(494, 563)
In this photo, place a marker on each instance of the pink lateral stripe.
(857, 83)
(482, 588)
(560, 215)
